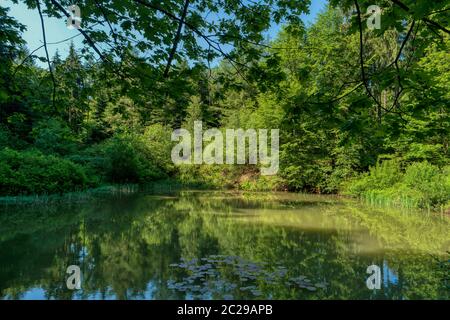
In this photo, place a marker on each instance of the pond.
(222, 245)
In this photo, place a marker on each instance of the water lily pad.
(321, 285)
(221, 275)
(256, 292)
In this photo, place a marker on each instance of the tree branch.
(397, 68)
(46, 53)
(176, 39)
(431, 22)
(25, 59)
(85, 35)
(363, 72)
(32, 52)
(361, 56)
(107, 21)
(215, 45)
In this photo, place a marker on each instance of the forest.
(361, 112)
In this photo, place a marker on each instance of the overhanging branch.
(213, 44)
(176, 39)
(85, 35)
(46, 53)
(428, 21)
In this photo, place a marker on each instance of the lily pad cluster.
(229, 277)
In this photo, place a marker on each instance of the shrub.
(263, 183)
(421, 185)
(129, 159)
(429, 181)
(53, 136)
(384, 174)
(10, 139)
(207, 176)
(5, 137)
(158, 139)
(31, 172)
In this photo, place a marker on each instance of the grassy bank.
(415, 185)
(69, 197)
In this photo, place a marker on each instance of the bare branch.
(363, 72)
(25, 59)
(32, 52)
(361, 56)
(397, 68)
(85, 35)
(46, 53)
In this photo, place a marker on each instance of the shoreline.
(105, 192)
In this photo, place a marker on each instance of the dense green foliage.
(420, 184)
(129, 159)
(31, 172)
(346, 99)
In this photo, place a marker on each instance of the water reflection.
(224, 276)
(221, 245)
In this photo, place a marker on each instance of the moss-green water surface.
(222, 245)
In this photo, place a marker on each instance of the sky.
(56, 29)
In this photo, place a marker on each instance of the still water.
(222, 245)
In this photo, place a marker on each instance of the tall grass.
(69, 197)
(418, 185)
(106, 191)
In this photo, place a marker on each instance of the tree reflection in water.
(221, 245)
